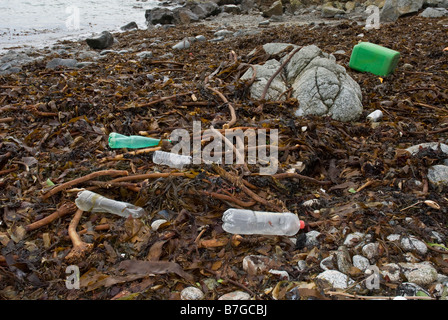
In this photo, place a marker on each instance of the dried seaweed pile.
(54, 126)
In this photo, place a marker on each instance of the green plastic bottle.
(117, 140)
(373, 58)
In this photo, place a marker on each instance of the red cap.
(302, 224)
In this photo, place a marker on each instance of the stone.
(145, 55)
(436, 3)
(410, 243)
(235, 295)
(438, 175)
(343, 260)
(184, 44)
(391, 272)
(130, 26)
(434, 13)
(159, 15)
(312, 239)
(58, 62)
(105, 40)
(329, 11)
(360, 262)
(321, 86)
(184, 16)
(263, 74)
(350, 6)
(410, 289)
(371, 250)
(354, 239)
(328, 263)
(203, 9)
(336, 279)
(231, 8)
(191, 293)
(223, 33)
(422, 273)
(276, 9)
(393, 9)
(254, 264)
(415, 149)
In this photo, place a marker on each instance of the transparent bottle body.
(93, 202)
(171, 159)
(117, 140)
(239, 221)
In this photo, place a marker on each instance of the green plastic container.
(373, 58)
(117, 140)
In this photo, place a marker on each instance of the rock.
(184, 44)
(323, 87)
(414, 150)
(231, 8)
(410, 243)
(438, 175)
(420, 273)
(436, 3)
(159, 15)
(360, 262)
(391, 272)
(191, 293)
(235, 295)
(336, 279)
(223, 33)
(157, 223)
(217, 39)
(276, 9)
(145, 55)
(254, 264)
(312, 239)
(263, 74)
(434, 13)
(129, 26)
(354, 239)
(201, 38)
(393, 9)
(350, 6)
(56, 62)
(203, 9)
(105, 40)
(343, 260)
(329, 11)
(371, 250)
(328, 263)
(184, 16)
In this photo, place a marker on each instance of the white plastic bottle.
(93, 202)
(240, 221)
(171, 159)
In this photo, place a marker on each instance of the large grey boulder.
(393, 9)
(321, 86)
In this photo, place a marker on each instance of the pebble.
(235, 295)
(410, 243)
(360, 262)
(354, 239)
(312, 239)
(422, 273)
(253, 264)
(217, 39)
(56, 62)
(336, 279)
(343, 259)
(201, 38)
(184, 44)
(156, 224)
(223, 33)
(327, 263)
(371, 250)
(191, 293)
(145, 55)
(391, 271)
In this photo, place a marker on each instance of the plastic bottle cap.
(302, 224)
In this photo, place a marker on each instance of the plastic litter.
(373, 58)
(92, 202)
(117, 140)
(241, 221)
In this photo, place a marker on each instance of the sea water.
(38, 23)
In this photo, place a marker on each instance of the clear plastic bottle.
(240, 221)
(117, 140)
(93, 202)
(171, 159)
